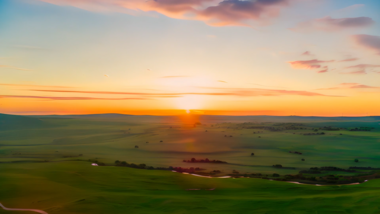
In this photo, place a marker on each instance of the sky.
(167, 57)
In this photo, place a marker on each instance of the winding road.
(16, 209)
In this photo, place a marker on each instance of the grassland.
(46, 166)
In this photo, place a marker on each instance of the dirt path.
(16, 209)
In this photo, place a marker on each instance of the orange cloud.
(243, 92)
(36, 86)
(350, 86)
(67, 98)
(308, 64)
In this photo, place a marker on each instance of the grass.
(77, 187)
(65, 185)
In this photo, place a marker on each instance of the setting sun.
(189, 102)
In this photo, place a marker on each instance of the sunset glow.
(167, 57)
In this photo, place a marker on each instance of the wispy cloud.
(175, 76)
(348, 60)
(369, 42)
(354, 72)
(34, 86)
(323, 71)
(243, 92)
(360, 68)
(15, 68)
(330, 24)
(350, 86)
(222, 81)
(67, 98)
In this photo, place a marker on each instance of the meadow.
(46, 163)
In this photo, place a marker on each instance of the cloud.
(15, 68)
(34, 86)
(222, 81)
(349, 8)
(242, 92)
(250, 92)
(350, 86)
(369, 42)
(361, 68)
(348, 60)
(68, 98)
(309, 64)
(224, 13)
(174, 76)
(306, 53)
(238, 12)
(354, 72)
(317, 64)
(329, 24)
(323, 71)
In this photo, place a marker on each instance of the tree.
(276, 175)
(117, 162)
(207, 160)
(303, 159)
(193, 160)
(142, 166)
(252, 154)
(356, 160)
(123, 163)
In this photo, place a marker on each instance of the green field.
(45, 164)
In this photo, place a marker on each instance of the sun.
(189, 102)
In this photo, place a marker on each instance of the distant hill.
(110, 115)
(19, 122)
(265, 118)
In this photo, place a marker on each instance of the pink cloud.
(355, 72)
(330, 24)
(306, 53)
(348, 60)
(227, 12)
(322, 71)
